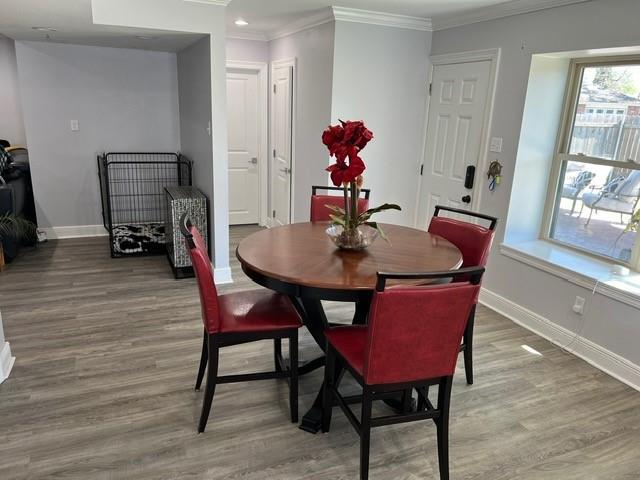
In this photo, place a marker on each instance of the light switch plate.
(496, 145)
(75, 125)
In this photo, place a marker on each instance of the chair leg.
(327, 394)
(365, 433)
(293, 369)
(573, 206)
(421, 404)
(407, 400)
(442, 426)
(589, 219)
(212, 376)
(468, 346)
(203, 361)
(277, 353)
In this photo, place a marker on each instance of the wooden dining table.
(301, 261)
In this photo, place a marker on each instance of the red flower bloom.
(332, 135)
(342, 173)
(345, 141)
(357, 134)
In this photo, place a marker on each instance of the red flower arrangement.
(345, 141)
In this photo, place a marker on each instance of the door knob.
(254, 160)
(466, 199)
(285, 170)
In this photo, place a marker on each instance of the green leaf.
(16, 227)
(633, 224)
(336, 220)
(380, 231)
(364, 216)
(336, 209)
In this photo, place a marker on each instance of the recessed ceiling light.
(241, 23)
(44, 29)
(145, 37)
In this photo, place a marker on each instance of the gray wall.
(247, 50)
(313, 49)
(124, 100)
(592, 25)
(11, 122)
(380, 76)
(194, 86)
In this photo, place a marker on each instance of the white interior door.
(281, 128)
(244, 159)
(455, 128)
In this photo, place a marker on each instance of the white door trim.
(263, 131)
(493, 56)
(293, 63)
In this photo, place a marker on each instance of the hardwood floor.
(107, 352)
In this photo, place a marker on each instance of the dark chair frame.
(370, 393)
(213, 342)
(467, 341)
(315, 188)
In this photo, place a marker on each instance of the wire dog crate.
(134, 208)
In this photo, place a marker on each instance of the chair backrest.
(630, 187)
(612, 187)
(204, 275)
(414, 331)
(474, 241)
(583, 179)
(319, 211)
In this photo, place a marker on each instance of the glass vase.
(358, 238)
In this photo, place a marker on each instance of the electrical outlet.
(75, 125)
(578, 306)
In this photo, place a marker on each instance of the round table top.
(302, 254)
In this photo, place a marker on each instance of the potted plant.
(14, 228)
(351, 229)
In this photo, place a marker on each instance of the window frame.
(561, 155)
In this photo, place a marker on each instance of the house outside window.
(593, 205)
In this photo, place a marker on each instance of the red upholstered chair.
(236, 318)
(319, 211)
(412, 340)
(474, 241)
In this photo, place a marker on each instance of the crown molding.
(252, 35)
(336, 14)
(221, 3)
(320, 18)
(507, 9)
(383, 19)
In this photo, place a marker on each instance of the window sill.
(578, 269)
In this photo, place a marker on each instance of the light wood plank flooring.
(102, 388)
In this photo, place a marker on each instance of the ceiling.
(267, 16)
(73, 21)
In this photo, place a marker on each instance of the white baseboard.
(6, 361)
(610, 363)
(222, 275)
(75, 231)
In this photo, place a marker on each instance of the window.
(594, 195)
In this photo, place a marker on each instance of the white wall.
(590, 25)
(208, 19)
(194, 87)
(313, 49)
(380, 76)
(536, 149)
(11, 122)
(247, 50)
(124, 100)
